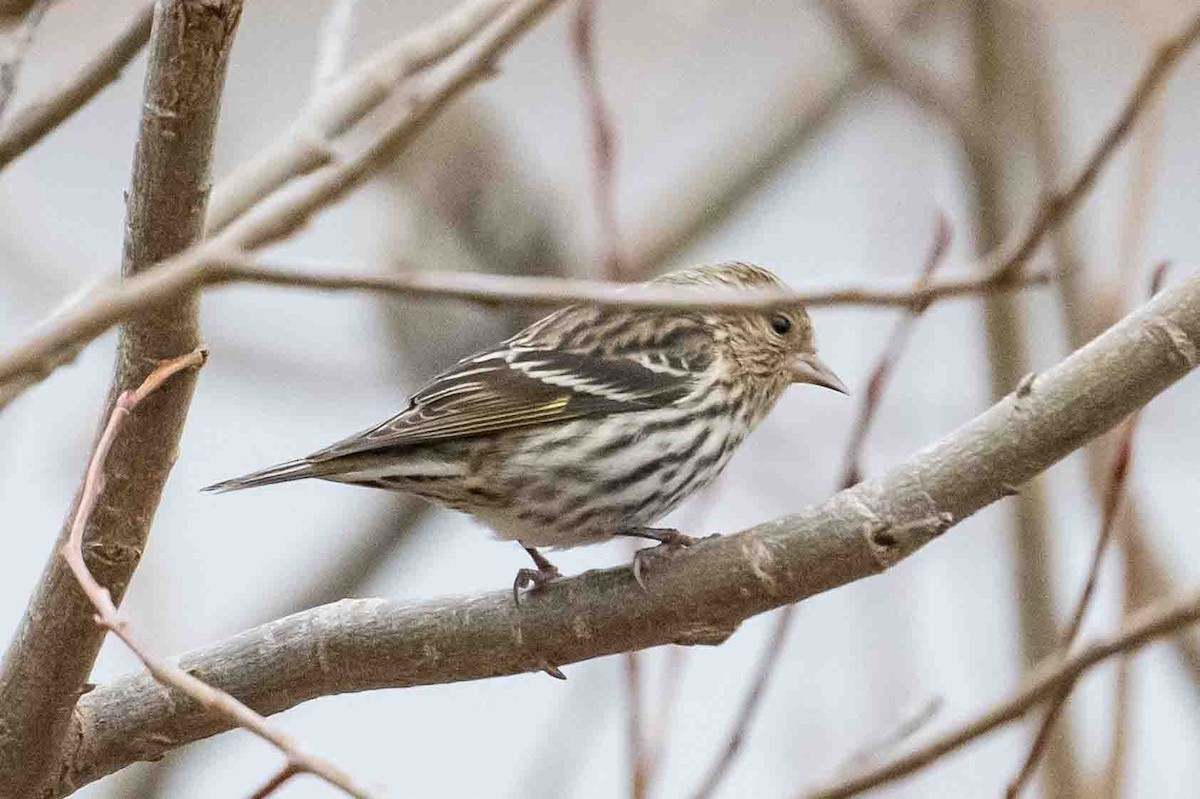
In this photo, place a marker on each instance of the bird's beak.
(808, 368)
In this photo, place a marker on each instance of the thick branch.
(51, 655)
(698, 597)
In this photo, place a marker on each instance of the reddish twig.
(639, 763)
(667, 694)
(1058, 206)
(750, 705)
(850, 475)
(276, 782)
(852, 468)
(166, 672)
(1148, 625)
(604, 187)
(604, 141)
(1113, 497)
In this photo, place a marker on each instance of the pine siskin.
(590, 423)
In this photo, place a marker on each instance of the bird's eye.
(781, 325)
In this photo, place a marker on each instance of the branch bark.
(698, 597)
(1007, 323)
(49, 659)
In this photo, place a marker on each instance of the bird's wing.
(517, 387)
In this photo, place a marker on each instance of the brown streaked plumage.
(590, 423)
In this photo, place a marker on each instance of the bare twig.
(699, 597)
(1145, 627)
(879, 54)
(893, 349)
(165, 215)
(276, 782)
(327, 185)
(1087, 310)
(1110, 512)
(58, 339)
(759, 148)
(750, 703)
(604, 145)
(17, 44)
(604, 140)
(635, 741)
(307, 145)
(333, 43)
(851, 474)
(1008, 350)
(164, 671)
(31, 124)
(1056, 207)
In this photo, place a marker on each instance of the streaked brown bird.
(591, 423)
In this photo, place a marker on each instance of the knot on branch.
(705, 634)
(1182, 351)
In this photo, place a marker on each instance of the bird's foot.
(533, 579)
(668, 541)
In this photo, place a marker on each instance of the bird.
(591, 423)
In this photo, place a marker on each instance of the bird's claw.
(533, 579)
(668, 541)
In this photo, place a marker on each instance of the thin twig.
(19, 39)
(276, 782)
(308, 144)
(1110, 512)
(604, 140)
(107, 617)
(45, 113)
(639, 764)
(604, 144)
(750, 703)
(1087, 310)
(273, 221)
(168, 191)
(1145, 627)
(1059, 205)
(1007, 327)
(893, 349)
(851, 474)
(334, 38)
(879, 54)
(56, 341)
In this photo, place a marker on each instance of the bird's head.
(776, 346)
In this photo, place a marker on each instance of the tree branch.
(47, 112)
(1143, 628)
(60, 338)
(307, 145)
(167, 673)
(700, 596)
(50, 657)
(282, 216)
(17, 41)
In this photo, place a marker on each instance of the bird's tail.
(299, 469)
